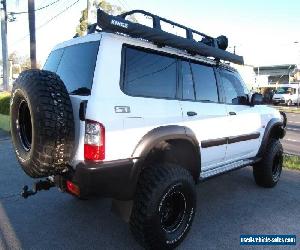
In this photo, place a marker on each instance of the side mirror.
(257, 99)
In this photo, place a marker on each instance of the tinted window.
(149, 74)
(53, 60)
(205, 83)
(233, 87)
(76, 66)
(188, 92)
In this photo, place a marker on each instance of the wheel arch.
(159, 144)
(274, 129)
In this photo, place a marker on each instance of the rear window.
(75, 65)
(149, 74)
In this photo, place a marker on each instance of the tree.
(20, 63)
(104, 5)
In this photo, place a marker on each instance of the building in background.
(275, 74)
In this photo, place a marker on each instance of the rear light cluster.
(94, 141)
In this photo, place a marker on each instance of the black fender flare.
(275, 128)
(160, 134)
(163, 133)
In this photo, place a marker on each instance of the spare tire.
(42, 124)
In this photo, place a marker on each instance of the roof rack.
(208, 46)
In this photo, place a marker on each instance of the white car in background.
(287, 94)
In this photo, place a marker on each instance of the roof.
(275, 67)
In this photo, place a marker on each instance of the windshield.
(285, 90)
(75, 65)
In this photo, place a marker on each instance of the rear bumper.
(108, 179)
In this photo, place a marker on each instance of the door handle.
(191, 113)
(232, 113)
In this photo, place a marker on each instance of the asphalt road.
(227, 206)
(291, 142)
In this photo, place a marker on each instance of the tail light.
(94, 141)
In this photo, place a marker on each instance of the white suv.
(140, 115)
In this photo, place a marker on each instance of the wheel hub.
(172, 211)
(277, 165)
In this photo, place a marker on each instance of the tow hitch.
(38, 186)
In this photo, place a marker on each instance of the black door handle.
(232, 113)
(191, 113)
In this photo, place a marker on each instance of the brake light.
(94, 141)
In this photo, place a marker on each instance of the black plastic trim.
(229, 140)
(247, 137)
(275, 126)
(167, 134)
(214, 142)
(163, 133)
(107, 179)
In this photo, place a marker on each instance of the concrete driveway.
(227, 206)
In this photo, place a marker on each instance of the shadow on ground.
(227, 206)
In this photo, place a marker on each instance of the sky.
(264, 32)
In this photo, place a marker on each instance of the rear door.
(244, 121)
(203, 112)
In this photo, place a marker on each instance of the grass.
(291, 162)
(4, 122)
(4, 103)
(288, 109)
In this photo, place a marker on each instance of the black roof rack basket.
(208, 46)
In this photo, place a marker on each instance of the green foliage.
(291, 162)
(5, 122)
(104, 5)
(4, 103)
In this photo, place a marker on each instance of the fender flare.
(164, 133)
(154, 137)
(275, 127)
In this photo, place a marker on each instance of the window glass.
(188, 92)
(241, 81)
(285, 90)
(205, 83)
(76, 66)
(149, 74)
(53, 60)
(235, 90)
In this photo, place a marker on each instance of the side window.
(234, 89)
(188, 91)
(149, 74)
(53, 60)
(205, 83)
(75, 65)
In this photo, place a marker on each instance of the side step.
(225, 168)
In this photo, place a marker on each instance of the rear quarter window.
(75, 65)
(149, 74)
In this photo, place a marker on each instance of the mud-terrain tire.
(42, 125)
(267, 172)
(164, 206)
